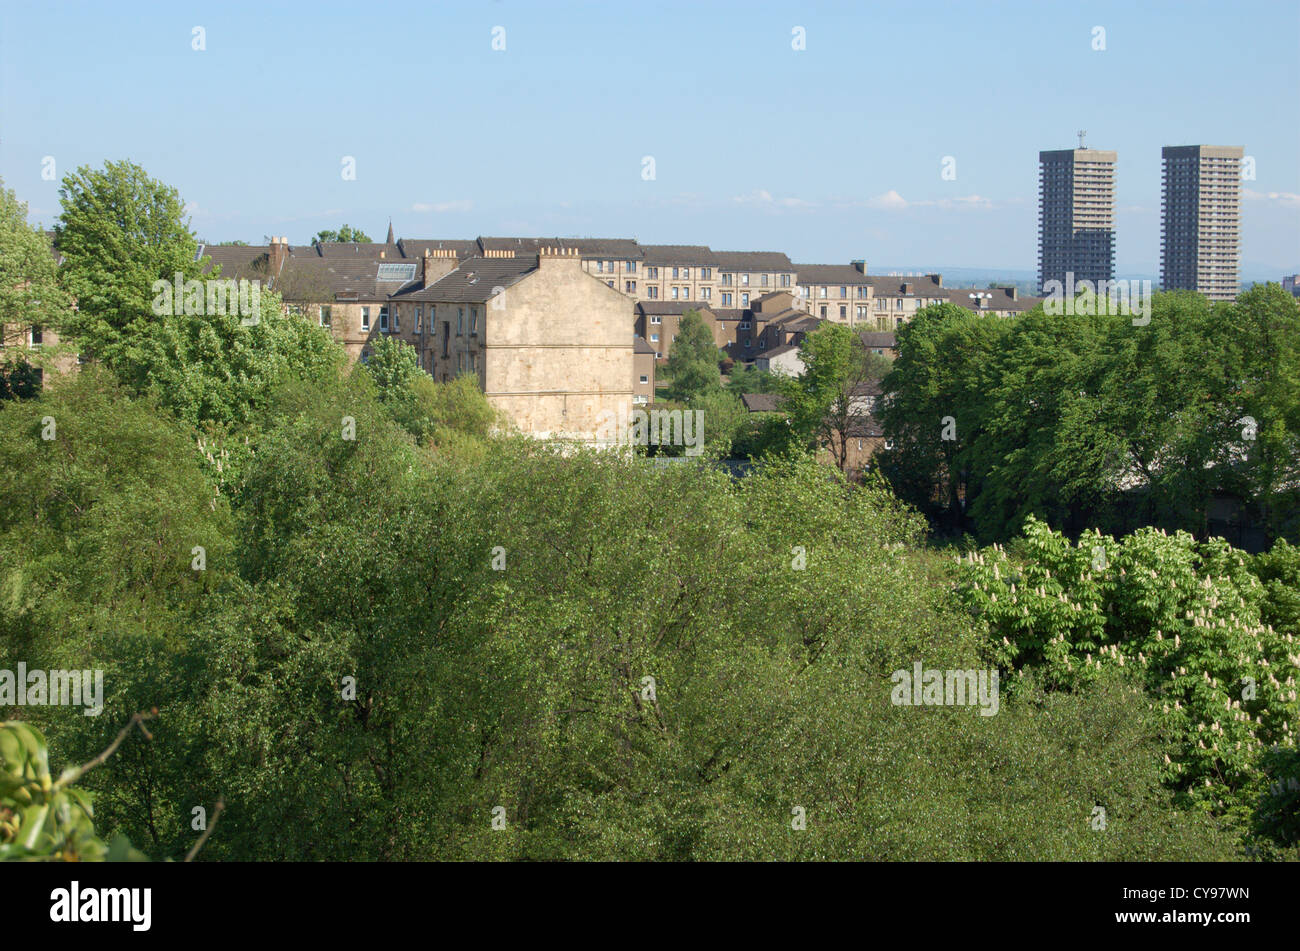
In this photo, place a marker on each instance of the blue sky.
(828, 153)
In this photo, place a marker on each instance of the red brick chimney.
(277, 254)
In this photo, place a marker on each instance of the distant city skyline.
(829, 153)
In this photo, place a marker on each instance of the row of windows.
(326, 319)
(823, 292)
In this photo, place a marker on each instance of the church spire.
(390, 231)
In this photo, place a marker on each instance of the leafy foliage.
(1183, 618)
(692, 364)
(346, 233)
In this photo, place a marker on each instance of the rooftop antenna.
(1081, 133)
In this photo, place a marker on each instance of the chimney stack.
(277, 254)
(860, 266)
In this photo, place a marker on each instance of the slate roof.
(671, 306)
(829, 274)
(761, 402)
(1001, 299)
(416, 248)
(689, 255)
(475, 280)
(752, 261)
(358, 251)
(924, 285)
(882, 339)
(309, 274)
(248, 262)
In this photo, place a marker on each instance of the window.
(600, 267)
(726, 300)
(446, 336)
(419, 319)
(629, 267)
(821, 292)
(397, 320)
(460, 321)
(652, 273)
(880, 303)
(652, 292)
(383, 320)
(473, 321)
(675, 274)
(726, 279)
(674, 293)
(706, 293)
(609, 266)
(844, 292)
(743, 325)
(744, 280)
(35, 336)
(325, 316)
(900, 304)
(748, 343)
(686, 274)
(844, 312)
(654, 338)
(764, 280)
(656, 319)
(365, 318)
(610, 283)
(785, 280)
(762, 345)
(629, 287)
(686, 293)
(823, 310)
(862, 291)
(744, 300)
(659, 354)
(706, 274)
(644, 378)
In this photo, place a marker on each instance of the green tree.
(120, 232)
(392, 365)
(822, 402)
(30, 295)
(345, 234)
(934, 407)
(692, 360)
(744, 379)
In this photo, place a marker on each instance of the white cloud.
(762, 196)
(893, 201)
(442, 207)
(890, 200)
(1285, 198)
